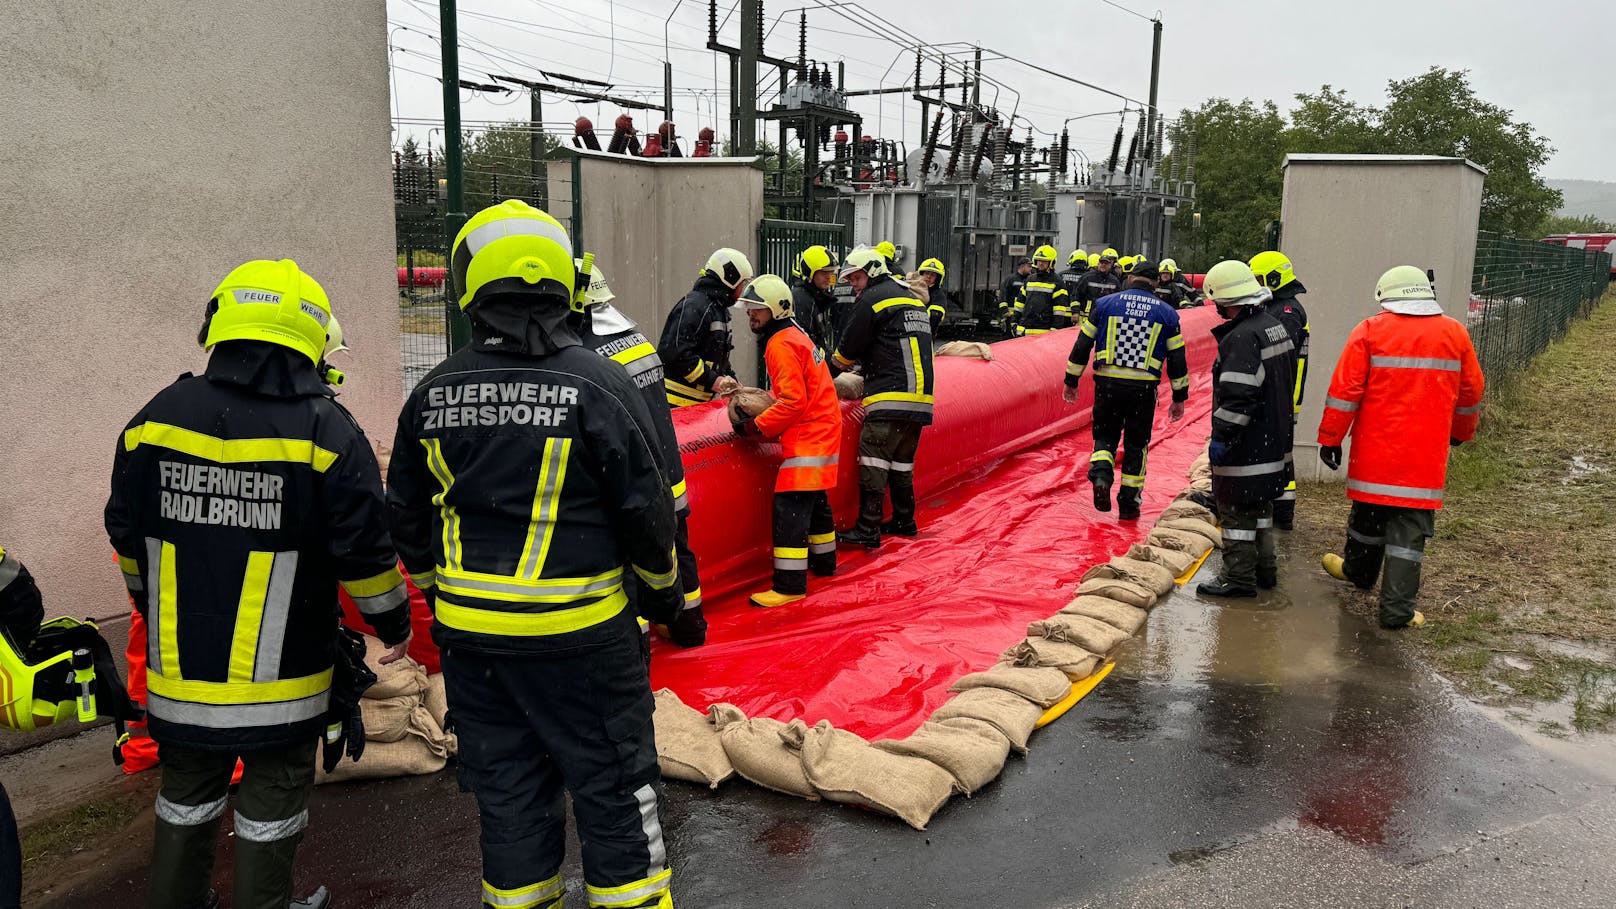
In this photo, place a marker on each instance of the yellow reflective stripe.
(634, 894)
(546, 503)
(1150, 347)
(694, 374)
(227, 451)
(822, 537)
(529, 897)
(1180, 383)
(1296, 398)
(896, 301)
(680, 488)
(643, 349)
(249, 617)
(660, 580)
(1175, 342)
(451, 520)
(920, 371)
(527, 590)
(425, 579)
(128, 565)
(1124, 372)
(1075, 369)
(681, 395)
(529, 624)
(1020, 306)
(841, 362)
(375, 585)
(168, 638)
(1088, 328)
(1112, 326)
(899, 396)
(791, 552)
(223, 693)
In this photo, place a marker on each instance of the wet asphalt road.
(1270, 732)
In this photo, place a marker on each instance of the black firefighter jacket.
(608, 332)
(890, 333)
(1251, 400)
(1288, 310)
(696, 341)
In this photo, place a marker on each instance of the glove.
(343, 737)
(659, 607)
(1331, 456)
(1216, 450)
(747, 427)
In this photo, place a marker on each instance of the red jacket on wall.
(1405, 386)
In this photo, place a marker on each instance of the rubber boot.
(319, 899)
(1128, 503)
(1335, 566)
(769, 599)
(1224, 590)
(1102, 490)
(903, 511)
(1267, 578)
(868, 531)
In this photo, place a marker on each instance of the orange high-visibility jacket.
(806, 415)
(1404, 386)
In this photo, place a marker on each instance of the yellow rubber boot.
(769, 599)
(1335, 566)
(1418, 620)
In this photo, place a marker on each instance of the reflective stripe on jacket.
(1042, 304)
(1286, 308)
(1404, 386)
(615, 336)
(890, 334)
(806, 415)
(1133, 336)
(1252, 380)
(696, 342)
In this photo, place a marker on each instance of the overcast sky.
(1550, 61)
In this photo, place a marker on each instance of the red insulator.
(667, 131)
(653, 146)
(624, 121)
(581, 126)
(706, 134)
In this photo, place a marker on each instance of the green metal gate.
(779, 243)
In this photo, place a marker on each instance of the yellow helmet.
(1126, 263)
(1094, 260)
(1168, 267)
(270, 301)
(870, 261)
(814, 259)
(887, 250)
(768, 292)
(1231, 283)
(1109, 253)
(1273, 269)
(1045, 253)
(512, 247)
(935, 266)
(1078, 257)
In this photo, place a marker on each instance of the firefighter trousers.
(10, 856)
(1393, 537)
(804, 539)
(532, 728)
(271, 813)
(1248, 544)
(1124, 416)
(887, 451)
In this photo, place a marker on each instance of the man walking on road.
(1408, 386)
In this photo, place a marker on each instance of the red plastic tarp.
(1008, 529)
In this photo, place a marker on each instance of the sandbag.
(401, 678)
(424, 748)
(918, 286)
(1092, 635)
(850, 386)
(1155, 578)
(1185, 508)
(436, 700)
(973, 349)
(1119, 589)
(1071, 659)
(1201, 485)
(1186, 541)
(1118, 615)
(758, 753)
(1044, 686)
(1009, 713)
(1208, 532)
(687, 743)
(972, 751)
(845, 768)
(1171, 559)
(1201, 467)
(748, 402)
(388, 719)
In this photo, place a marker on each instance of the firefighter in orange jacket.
(807, 419)
(1408, 386)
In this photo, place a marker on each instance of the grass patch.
(67, 832)
(1525, 546)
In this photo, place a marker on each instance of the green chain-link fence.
(1524, 294)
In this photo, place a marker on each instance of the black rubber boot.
(1128, 504)
(1267, 580)
(1102, 491)
(868, 531)
(898, 528)
(1224, 590)
(319, 899)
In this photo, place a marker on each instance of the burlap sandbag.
(918, 286)
(1119, 589)
(973, 349)
(1010, 713)
(1184, 508)
(845, 768)
(1186, 541)
(1043, 685)
(687, 744)
(1201, 467)
(1071, 659)
(436, 699)
(758, 753)
(1092, 635)
(1171, 559)
(1118, 615)
(1202, 485)
(1155, 578)
(1208, 532)
(424, 748)
(398, 679)
(388, 719)
(748, 402)
(850, 386)
(972, 751)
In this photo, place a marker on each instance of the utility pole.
(1155, 75)
(667, 90)
(746, 91)
(454, 164)
(541, 178)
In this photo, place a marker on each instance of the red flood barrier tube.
(1007, 531)
(424, 276)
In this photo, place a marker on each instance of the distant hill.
(1587, 197)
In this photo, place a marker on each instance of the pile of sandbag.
(973, 349)
(404, 714)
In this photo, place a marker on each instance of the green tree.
(1575, 224)
(1237, 172)
(498, 164)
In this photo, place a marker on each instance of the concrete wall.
(1348, 218)
(652, 223)
(151, 151)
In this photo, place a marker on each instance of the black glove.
(1331, 456)
(659, 607)
(747, 427)
(343, 736)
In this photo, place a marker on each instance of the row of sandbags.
(404, 716)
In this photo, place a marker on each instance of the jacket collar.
(265, 368)
(1413, 307)
(522, 324)
(710, 286)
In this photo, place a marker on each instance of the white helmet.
(1231, 283)
(865, 259)
(598, 291)
(333, 338)
(768, 292)
(1407, 290)
(730, 266)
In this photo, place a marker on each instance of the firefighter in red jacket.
(1408, 386)
(807, 419)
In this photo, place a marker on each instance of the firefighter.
(932, 272)
(240, 499)
(1173, 290)
(811, 297)
(1133, 336)
(890, 334)
(1407, 386)
(1042, 302)
(1251, 428)
(1101, 280)
(890, 254)
(524, 489)
(607, 331)
(1276, 273)
(696, 340)
(1009, 290)
(807, 419)
(1077, 265)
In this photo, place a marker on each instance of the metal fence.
(1524, 294)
